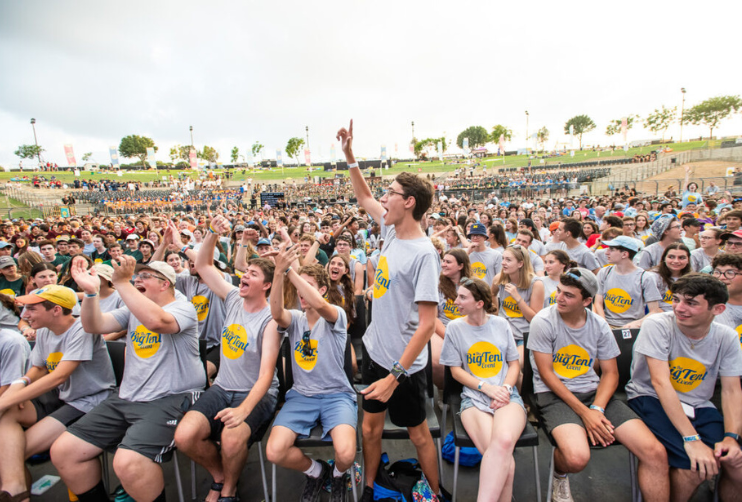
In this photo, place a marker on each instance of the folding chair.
(528, 392)
(315, 436)
(452, 398)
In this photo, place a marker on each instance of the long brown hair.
(662, 269)
(446, 285)
(498, 234)
(347, 298)
(481, 292)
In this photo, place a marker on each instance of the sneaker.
(368, 494)
(339, 491)
(560, 491)
(313, 486)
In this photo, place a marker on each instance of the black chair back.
(625, 339)
(117, 353)
(526, 389)
(202, 350)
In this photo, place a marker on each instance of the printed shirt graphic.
(209, 307)
(242, 346)
(622, 294)
(483, 351)
(92, 380)
(159, 365)
(407, 273)
(510, 311)
(550, 291)
(485, 264)
(666, 300)
(321, 371)
(573, 351)
(694, 365)
(447, 309)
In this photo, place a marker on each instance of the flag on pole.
(279, 158)
(465, 144)
(624, 127)
(114, 155)
(396, 150)
(383, 153)
(192, 158)
(333, 158)
(501, 144)
(307, 157)
(70, 155)
(571, 136)
(151, 157)
(440, 150)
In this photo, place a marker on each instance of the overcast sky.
(92, 72)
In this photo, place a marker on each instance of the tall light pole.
(307, 129)
(413, 129)
(682, 113)
(526, 131)
(35, 141)
(191, 129)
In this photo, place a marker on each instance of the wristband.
(26, 379)
(597, 408)
(91, 295)
(399, 368)
(481, 383)
(731, 435)
(287, 270)
(26, 329)
(690, 439)
(244, 245)
(20, 380)
(354, 164)
(211, 230)
(184, 249)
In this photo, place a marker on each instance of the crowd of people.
(490, 286)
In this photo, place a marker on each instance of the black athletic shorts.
(215, 399)
(213, 355)
(49, 405)
(407, 404)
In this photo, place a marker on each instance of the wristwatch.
(399, 373)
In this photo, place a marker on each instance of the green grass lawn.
(298, 173)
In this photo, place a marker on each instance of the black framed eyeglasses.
(729, 274)
(306, 347)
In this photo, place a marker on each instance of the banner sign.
(307, 157)
(440, 150)
(383, 152)
(193, 158)
(279, 158)
(151, 157)
(70, 155)
(114, 155)
(466, 144)
(624, 128)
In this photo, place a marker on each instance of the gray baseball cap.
(586, 279)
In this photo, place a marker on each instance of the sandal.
(229, 499)
(7, 497)
(215, 487)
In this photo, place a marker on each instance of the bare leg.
(12, 471)
(234, 456)
(730, 486)
(192, 438)
(141, 477)
(344, 441)
(653, 472)
(683, 484)
(436, 345)
(77, 462)
(426, 452)
(573, 452)
(373, 427)
(280, 450)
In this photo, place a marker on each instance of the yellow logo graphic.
(484, 360)
(8, 292)
(618, 301)
(234, 341)
(739, 332)
(306, 358)
(686, 374)
(52, 360)
(201, 303)
(478, 270)
(146, 344)
(667, 297)
(450, 310)
(381, 282)
(511, 308)
(571, 361)
(552, 298)
(98, 260)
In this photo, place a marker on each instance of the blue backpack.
(403, 481)
(468, 456)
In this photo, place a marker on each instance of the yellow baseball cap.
(60, 295)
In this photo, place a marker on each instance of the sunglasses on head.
(306, 347)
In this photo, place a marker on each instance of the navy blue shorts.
(708, 423)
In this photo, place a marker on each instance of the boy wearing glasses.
(405, 300)
(243, 396)
(163, 376)
(678, 357)
(577, 405)
(728, 269)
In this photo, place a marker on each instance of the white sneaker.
(560, 491)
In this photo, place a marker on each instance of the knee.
(655, 455)
(275, 452)
(127, 464)
(234, 441)
(420, 436)
(345, 453)
(575, 460)
(184, 436)
(371, 433)
(63, 450)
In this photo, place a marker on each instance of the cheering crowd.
(489, 287)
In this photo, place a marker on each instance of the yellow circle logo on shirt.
(145, 343)
(381, 281)
(8, 292)
(552, 298)
(739, 332)
(686, 374)
(234, 341)
(52, 360)
(617, 300)
(571, 361)
(511, 308)
(478, 270)
(201, 304)
(484, 360)
(450, 310)
(306, 358)
(667, 297)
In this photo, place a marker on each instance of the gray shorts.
(215, 399)
(555, 412)
(146, 428)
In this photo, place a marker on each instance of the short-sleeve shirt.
(160, 365)
(108, 304)
(14, 356)
(666, 302)
(510, 310)
(694, 364)
(482, 351)
(8, 319)
(11, 288)
(625, 295)
(242, 346)
(323, 370)
(732, 317)
(583, 256)
(210, 309)
(651, 256)
(485, 264)
(407, 273)
(550, 291)
(93, 379)
(573, 351)
(699, 259)
(447, 309)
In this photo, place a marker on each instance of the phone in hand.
(360, 387)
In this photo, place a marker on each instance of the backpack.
(402, 481)
(468, 456)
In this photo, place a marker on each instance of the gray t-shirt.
(14, 356)
(584, 257)
(694, 365)
(666, 301)
(651, 256)
(242, 346)
(550, 291)
(209, 307)
(160, 365)
(322, 372)
(601, 257)
(407, 273)
(536, 261)
(93, 380)
(482, 351)
(574, 351)
(510, 310)
(447, 309)
(109, 304)
(626, 295)
(485, 264)
(8, 319)
(732, 317)
(699, 259)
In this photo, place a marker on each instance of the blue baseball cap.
(624, 241)
(478, 229)
(264, 242)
